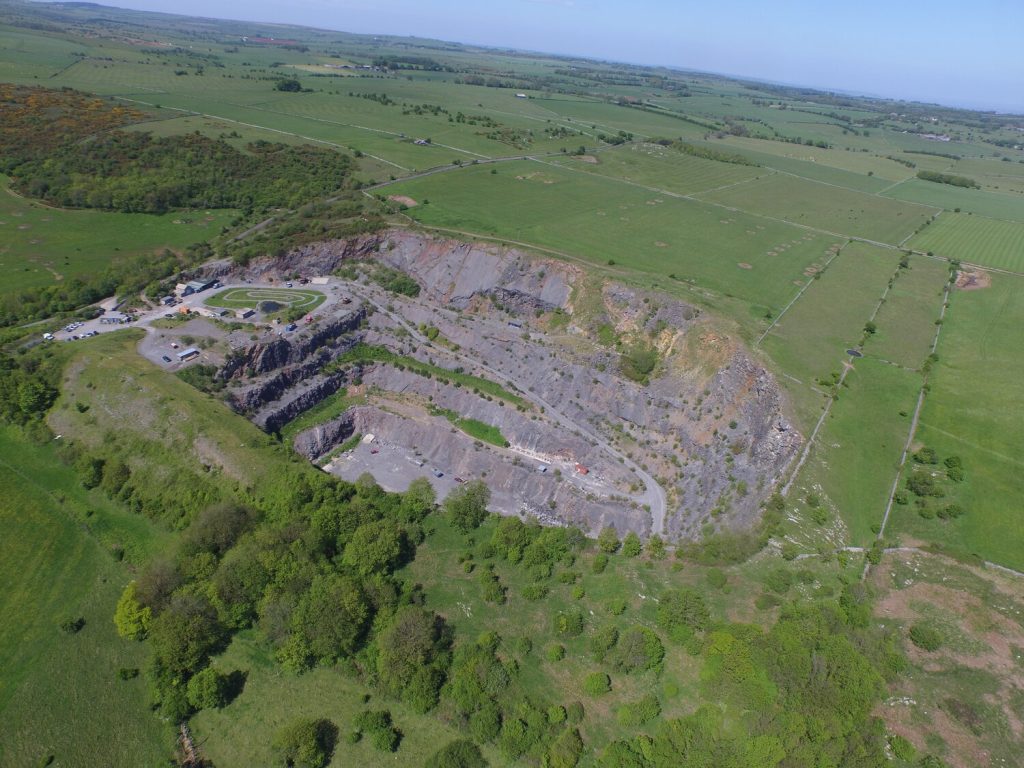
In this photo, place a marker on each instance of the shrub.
(128, 673)
(608, 540)
(926, 455)
(306, 743)
(208, 689)
(617, 606)
(535, 592)
(569, 623)
(556, 714)
(485, 723)
(378, 726)
(925, 637)
(555, 652)
(643, 711)
(457, 754)
(597, 684)
(717, 578)
(600, 562)
(682, 612)
(72, 626)
(603, 641)
(631, 546)
(902, 748)
(639, 649)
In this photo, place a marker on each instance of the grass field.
(664, 168)
(40, 245)
(906, 322)
(598, 220)
(829, 208)
(60, 693)
(854, 461)
(982, 202)
(810, 341)
(250, 298)
(976, 240)
(972, 411)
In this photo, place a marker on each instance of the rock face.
(709, 425)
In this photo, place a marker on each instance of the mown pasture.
(996, 205)
(975, 240)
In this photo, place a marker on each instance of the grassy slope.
(41, 245)
(972, 411)
(60, 694)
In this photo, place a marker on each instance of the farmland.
(972, 415)
(975, 240)
(597, 298)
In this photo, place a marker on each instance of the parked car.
(165, 358)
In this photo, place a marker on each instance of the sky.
(950, 52)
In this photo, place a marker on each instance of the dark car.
(165, 358)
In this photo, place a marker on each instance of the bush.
(639, 649)
(608, 540)
(555, 652)
(378, 726)
(617, 606)
(569, 623)
(466, 506)
(682, 612)
(603, 641)
(306, 743)
(535, 591)
(631, 546)
(556, 714)
(485, 723)
(600, 562)
(72, 626)
(717, 578)
(457, 754)
(208, 689)
(925, 637)
(597, 684)
(902, 748)
(639, 713)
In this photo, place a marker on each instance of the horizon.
(777, 46)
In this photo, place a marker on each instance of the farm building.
(197, 286)
(115, 318)
(188, 354)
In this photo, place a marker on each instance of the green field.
(598, 220)
(60, 693)
(853, 463)
(832, 209)
(971, 411)
(977, 201)
(809, 342)
(906, 322)
(40, 246)
(665, 168)
(250, 298)
(975, 240)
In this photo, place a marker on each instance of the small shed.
(114, 318)
(188, 354)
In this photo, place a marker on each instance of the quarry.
(487, 367)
